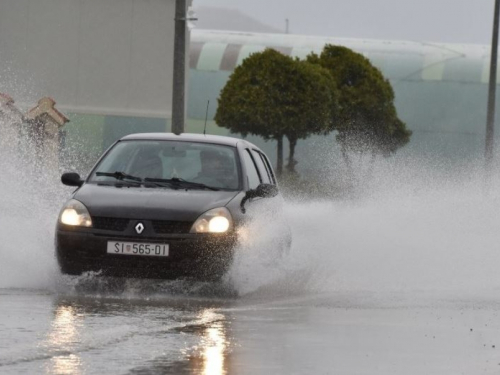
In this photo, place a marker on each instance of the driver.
(216, 169)
(148, 164)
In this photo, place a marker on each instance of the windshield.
(212, 165)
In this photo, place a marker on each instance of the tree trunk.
(371, 166)
(349, 178)
(346, 158)
(291, 155)
(279, 164)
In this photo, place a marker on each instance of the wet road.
(403, 281)
(76, 332)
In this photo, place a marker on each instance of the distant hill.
(213, 18)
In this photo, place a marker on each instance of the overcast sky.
(458, 21)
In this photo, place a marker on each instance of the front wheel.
(70, 268)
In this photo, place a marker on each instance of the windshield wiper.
(175, 182)
(179, 182)
(154, 182)
(121, 176)
(120, 184)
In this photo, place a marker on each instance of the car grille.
(159, 226)
(171, 227)
(110, 223)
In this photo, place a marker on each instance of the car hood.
(150, 203)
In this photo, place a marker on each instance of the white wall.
(93, 56)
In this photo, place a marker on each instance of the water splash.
(28, 207)
(413, 227)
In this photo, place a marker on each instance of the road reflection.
(214, 343)
(181, 336)
(63, 336)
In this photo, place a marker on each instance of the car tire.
(69, 268)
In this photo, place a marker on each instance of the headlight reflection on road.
(214, 352)
(214, 344)
(64, 334)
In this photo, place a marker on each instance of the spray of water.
(413, 228)
(28, 206)
(410, 228)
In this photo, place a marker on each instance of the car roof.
(188, 137)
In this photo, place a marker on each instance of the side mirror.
(261, 191)
(71, 179)
(265, 191)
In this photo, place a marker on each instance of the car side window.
(265, 160)
(252, 173)
(260, 165)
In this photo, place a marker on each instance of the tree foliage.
(368, 119)
(276, 96)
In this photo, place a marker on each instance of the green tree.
(276, 96)
(368, 120)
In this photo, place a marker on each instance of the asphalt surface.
(98, 327)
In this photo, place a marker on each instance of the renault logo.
(139, 228)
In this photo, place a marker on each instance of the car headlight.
(218, 220)
(75, 214)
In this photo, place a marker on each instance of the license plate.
(136, 248)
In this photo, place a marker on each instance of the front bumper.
(190, 255)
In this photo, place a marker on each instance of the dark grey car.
(164, 205)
